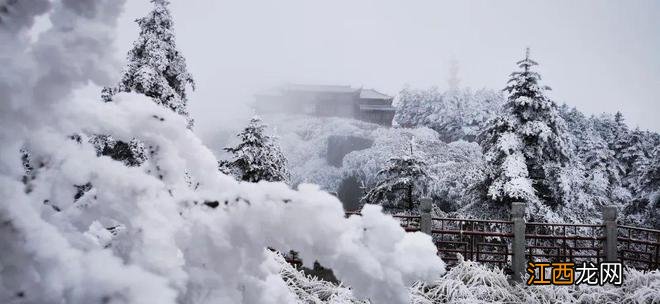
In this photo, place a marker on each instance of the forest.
(117, 199)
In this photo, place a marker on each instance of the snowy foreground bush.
(470, 282)
(79, 228)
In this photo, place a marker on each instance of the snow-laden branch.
(168, 242)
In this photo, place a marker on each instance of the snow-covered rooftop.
(320, 88)
(373, 94)
(364, 93)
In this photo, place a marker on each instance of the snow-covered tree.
(257, 157)
(643, 178)
(402, 183)
(633, 151)
(526, 146)
(155, 67)
(134, 238)
(648, 192)
(455, 114)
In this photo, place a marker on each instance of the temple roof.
(373, 94)
(320, 88)
(364, 93)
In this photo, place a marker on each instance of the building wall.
(375, 116)
(380, 117)
(335, 104)
(325, 104)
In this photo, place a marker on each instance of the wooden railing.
(639, 247)
(510, 244)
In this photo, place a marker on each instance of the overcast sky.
(600, 56)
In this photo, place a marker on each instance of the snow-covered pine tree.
(401, 184)
(600, 168)
(633, 151)
(257, 157)
(155, 67)
(620, 140)
(647, 202)
(526, 147)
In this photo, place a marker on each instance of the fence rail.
(510, 244)
(639, 247)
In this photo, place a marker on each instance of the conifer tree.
(257, 157)
(402, 183)
(526, 147)
(155, 67)
(645, 207)
(649, 183)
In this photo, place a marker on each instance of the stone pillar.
(518, 261)
(609, 220)
(425, 222)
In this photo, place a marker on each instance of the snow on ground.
(470, 282)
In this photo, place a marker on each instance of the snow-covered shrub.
(471, 282)
(132, 153)
(311, 290)
(138, 238)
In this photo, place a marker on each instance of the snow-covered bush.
(138, 238)
(470, 282)
(311, 290)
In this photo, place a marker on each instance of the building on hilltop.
(328, 100)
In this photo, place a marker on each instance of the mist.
(599, 56)
(124, 201)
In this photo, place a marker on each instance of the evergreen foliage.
(456, 114)
(155, 67)
(614, 161)
(401, 184)
(132, 154)
(526, 147)
(257, 157)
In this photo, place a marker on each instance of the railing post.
(609, 221)
(425, 222)
(518, 260)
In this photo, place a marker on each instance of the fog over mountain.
(386, 165)
(600, 56)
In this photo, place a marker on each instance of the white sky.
(600, 56)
